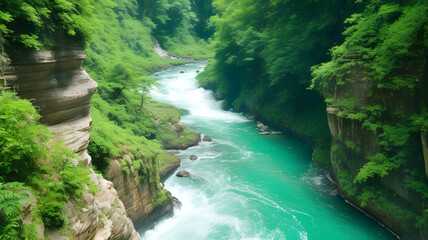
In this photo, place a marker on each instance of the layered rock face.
(57, 84)
(137, 195)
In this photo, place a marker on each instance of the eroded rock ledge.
(57, 84)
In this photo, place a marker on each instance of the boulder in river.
(218, 96)
(251, 117)
(181, 71)
(183, 173)
(176, 202)
(193, 157)
(260, 125)
(264, 128)
(207, 138)
(264, 133)
(197, 71)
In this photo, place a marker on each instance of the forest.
(350, 77)
(288, 65)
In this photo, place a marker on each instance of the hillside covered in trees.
(348, 76)
(365, 62)
(118, 40)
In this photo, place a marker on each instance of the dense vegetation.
(263, 60)
(269, 52)
(384, 51)
(267, 55)
(26, 25)
(119, 57)
(117, 36)
(34, 164)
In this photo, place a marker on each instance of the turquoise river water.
(248, 186)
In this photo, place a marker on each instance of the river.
(248, 186)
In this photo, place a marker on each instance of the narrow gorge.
(213, 119)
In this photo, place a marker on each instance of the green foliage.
(159, 198)
(378, 165)
(263, 60)
(120, 56)
(382, 41)
(124, 118)
(124, 166)
(417, 182)
(380, 72)
(52, 214)
(40, 24)
(346, 184)
(181, 25)
(32, 156)
(350, 144)
(12, 196)
(21, 137)
(75, 179)
(421, 121)
(29, 231)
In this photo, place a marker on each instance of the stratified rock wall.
(57, 84)
(135, 194)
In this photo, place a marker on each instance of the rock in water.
(251, 117)
(264, 128)
(183, 173)
(260, 125)
(207, 139)
(176, 202)
(181, 71)
(264, 133)
(193, 157)
(218, 96)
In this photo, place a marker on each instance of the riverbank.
(244, 185)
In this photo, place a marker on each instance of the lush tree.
(41, 24)
(264, 52)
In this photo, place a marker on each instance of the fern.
(12, 196)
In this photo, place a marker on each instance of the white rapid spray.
(198, 214)
(182, 91)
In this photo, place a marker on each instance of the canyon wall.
(138, 193)
(378, 165)
(56, 83)
(61, 89)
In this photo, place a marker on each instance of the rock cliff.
(57, 84)
(378, 166)
(138, 192)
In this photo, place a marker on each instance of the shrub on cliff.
(22, 139)
(381, 69)
(32, 159)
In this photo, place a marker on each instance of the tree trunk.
(142, 101)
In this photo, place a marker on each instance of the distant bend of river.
(248, 186)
